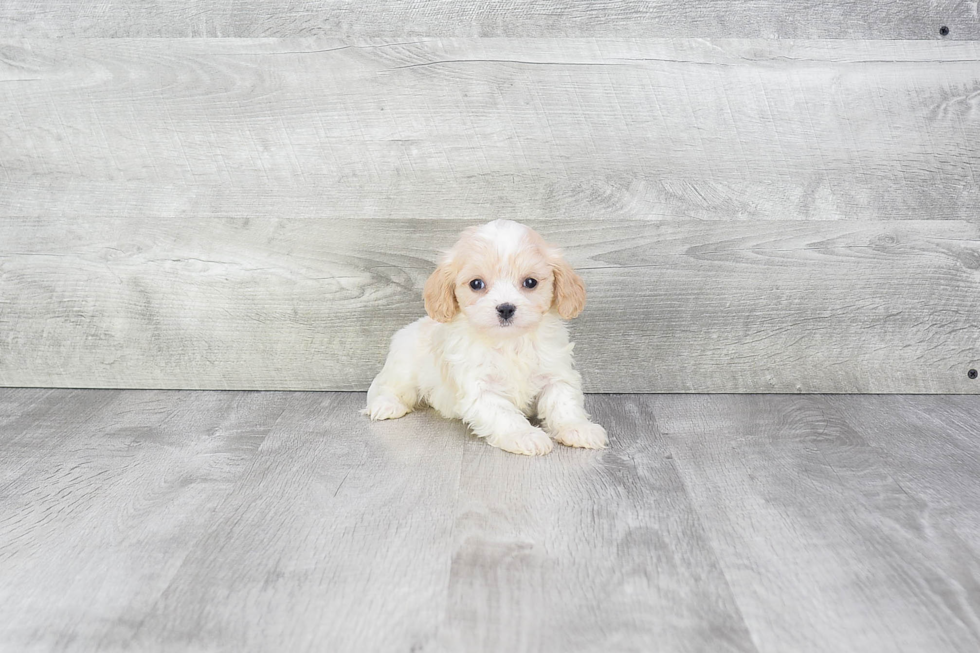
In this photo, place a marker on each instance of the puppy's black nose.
(506, 311)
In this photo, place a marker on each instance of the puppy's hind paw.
(386, 407)
(532, 442)
(582, 434)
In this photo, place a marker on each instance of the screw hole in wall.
(972, 374)
(943, 31)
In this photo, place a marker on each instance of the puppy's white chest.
(513, 371)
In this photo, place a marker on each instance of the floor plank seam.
(707, 534)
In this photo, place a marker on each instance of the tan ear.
(569, 290)
(440, 293)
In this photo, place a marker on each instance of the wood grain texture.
(259, 213)
(932, 448)
(798, 505)
(485, 128)
(233, 521)
(797, 306)
(910, 19)
(597, 551)
(337, 538)
(101, 499)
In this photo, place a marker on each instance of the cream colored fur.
(468, 362)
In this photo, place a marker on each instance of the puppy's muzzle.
(506, 312)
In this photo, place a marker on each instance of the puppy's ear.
(569, 297)
(440, 293)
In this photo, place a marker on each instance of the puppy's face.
(503, 278)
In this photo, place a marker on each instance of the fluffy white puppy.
(494, 349)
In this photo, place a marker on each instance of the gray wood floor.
(164, 520)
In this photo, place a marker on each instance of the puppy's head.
(503, 278)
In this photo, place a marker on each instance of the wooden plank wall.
(768, 19)
(750, 213)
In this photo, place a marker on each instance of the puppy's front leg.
(499, 421)
(561, 407)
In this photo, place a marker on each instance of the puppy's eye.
(530, 283)
(477, 284)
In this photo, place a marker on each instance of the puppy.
(494, 350)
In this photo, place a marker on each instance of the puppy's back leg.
(394, 392)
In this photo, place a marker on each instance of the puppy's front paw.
(386, 407)
(530, 442)
(582, 434)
